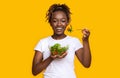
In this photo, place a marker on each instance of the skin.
(84, 54)
(59, 23)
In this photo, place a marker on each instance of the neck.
(57, 37)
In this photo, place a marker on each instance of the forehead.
(59, 14)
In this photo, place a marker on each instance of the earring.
(70, 29)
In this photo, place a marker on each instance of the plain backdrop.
(22, 25)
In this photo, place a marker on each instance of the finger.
(63, 55)
(83, 31)
(54, 56)
(86, 32)
(84, 36)
(60, 57)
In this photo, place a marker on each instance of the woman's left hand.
(86, 34)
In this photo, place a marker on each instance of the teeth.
(58, 28)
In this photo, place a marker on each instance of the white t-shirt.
(59, 68)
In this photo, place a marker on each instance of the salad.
(69, 29)
(56, 49)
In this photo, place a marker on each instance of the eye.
(63, 20)
(54, 21)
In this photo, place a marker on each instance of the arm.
(84, 54)
(38, 63)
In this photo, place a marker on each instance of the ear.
(67, 23)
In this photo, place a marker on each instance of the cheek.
(64, 24)
(53, 24)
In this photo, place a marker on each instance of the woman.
(60, 66)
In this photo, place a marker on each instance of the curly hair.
(58, 7)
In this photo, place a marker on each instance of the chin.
(59, 33)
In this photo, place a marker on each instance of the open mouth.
(59, 29)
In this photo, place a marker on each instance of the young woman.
(60, 66)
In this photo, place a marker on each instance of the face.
(59, 22)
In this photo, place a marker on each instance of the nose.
(59, 23)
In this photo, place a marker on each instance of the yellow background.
(22, 24)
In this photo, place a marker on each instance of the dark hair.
(58, 7)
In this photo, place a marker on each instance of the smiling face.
(59, 22)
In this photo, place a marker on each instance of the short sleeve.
(78, 44)
(38, 47)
